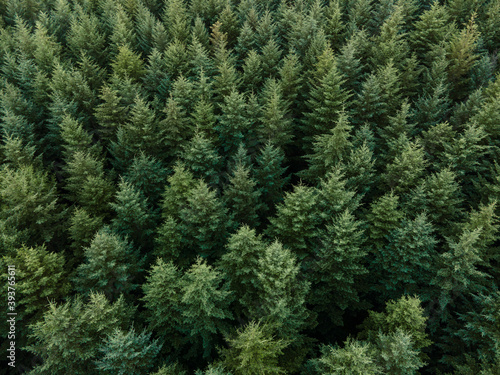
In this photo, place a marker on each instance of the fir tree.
(69, 335)
(296, 220)
(205, 304)
(203, 221)
(162, 301)
(133, 216)
(111, 266)
(30, 205)
(242, 197)
(338, 267)
(276, 124)
(127, 352)
(202, 158)
(253, 351)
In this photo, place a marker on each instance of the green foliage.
(29, 205)
(111, 266)
(400, 318)
(68, 337)
(296, 221)
(127, 64)
(127, 353)
(253, 351)
(355, 358)
(338, 267)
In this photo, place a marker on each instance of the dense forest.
(239, 187)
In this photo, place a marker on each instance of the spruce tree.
(68, 337)
(203, 221)
(111, 266)
(338, 268)
(127, 352)
(205, 307)
(254, 350)
(296, 221)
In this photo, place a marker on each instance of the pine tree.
(252, 71)
(296, 220)
(82, 230)
(338, 267)
(133, 218)
(325, 106)
(333, 196)
(233, 123)
(240, 264)
(162, 302)
(242, 198)
(254, 350)
(355, 358)
(127, 352)
(110, 114)
(87, 184)
(405, 265)
(175, 16)
(329, 149)
(405, 314)
(271, 58)
(85, 35)
(111, 266)
(177, 191)
(127, 64)
(205, 304)
(69, 335)
(42, 276)
(458, 272)
(175, 128)
(406, 168)
(202, 159)
(30, 205)
(384, 216)
(203, 221)
(276, 123)
(396, 354)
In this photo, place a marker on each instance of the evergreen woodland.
(251, 187)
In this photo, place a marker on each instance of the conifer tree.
(69, 335)
(202, 158)
(205, 304)
(127, 64)
(127, 352)
(327, 100)
(162, 301)
(233, 123)
(42, 277)
(355, 358)
(240, 264)
(111, 266)
(329, 149)
(82, 229)
(396, 354)
(276, 123)
(203, 221)
(87, 183)
(270, 174)
(338, 267)
(110, 114)
(254, 350)
(406, 168)
(85, 35)
(384, 216)
(175, 128)
(405, 314)
(133, 218)
(242, 197)
(405, 266)
(296, 221)
(30, 205)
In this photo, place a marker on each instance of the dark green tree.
(68, 337)
(111, 266)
